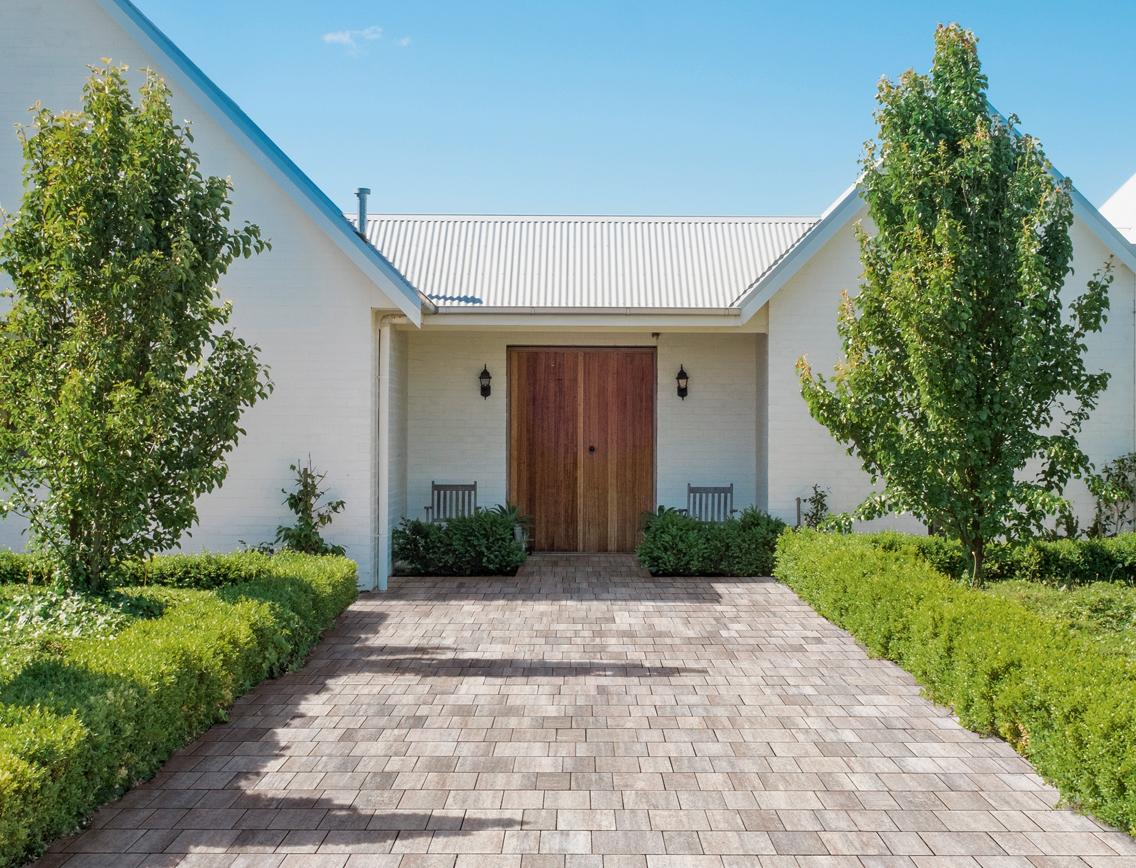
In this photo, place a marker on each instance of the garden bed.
(1006, 659)
(95, 693)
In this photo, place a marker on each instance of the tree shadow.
(279, 777)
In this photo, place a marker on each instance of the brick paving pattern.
(584, 715)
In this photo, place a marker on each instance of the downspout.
(384, 552)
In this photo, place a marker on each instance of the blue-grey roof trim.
(266, 154)
(766, 286)
(850, 204)
(1112, 237)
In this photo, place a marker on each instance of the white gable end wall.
(304, 303)
(802, 320)
(1111, 430)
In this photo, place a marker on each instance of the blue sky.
(625, 107)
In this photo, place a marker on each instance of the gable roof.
(850, 204)
(560, 264)
(265, 153)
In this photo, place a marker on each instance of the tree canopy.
(961, 365)
(121, 389)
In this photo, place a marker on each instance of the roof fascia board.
(266, 154)
(1103, 229)
(1086, 211)
(838, 214)
(848, 205)
(476, 310)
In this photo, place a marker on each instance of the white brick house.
(376, 346)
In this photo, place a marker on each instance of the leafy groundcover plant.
(680, 545)
(83, 717)
(1059, 697)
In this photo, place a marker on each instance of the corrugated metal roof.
(476, 262)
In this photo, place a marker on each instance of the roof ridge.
(801, 218)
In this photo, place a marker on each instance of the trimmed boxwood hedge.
(1062, 562)
(1062, 702)
(200, 571)
(79, 728)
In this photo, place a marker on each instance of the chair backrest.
(450, 501)
(710, 502)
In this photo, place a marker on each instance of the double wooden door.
(582, 444)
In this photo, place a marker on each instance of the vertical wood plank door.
(582, 444)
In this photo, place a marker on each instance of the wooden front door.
(582, 444)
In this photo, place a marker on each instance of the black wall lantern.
(682, 380)
(485, 377)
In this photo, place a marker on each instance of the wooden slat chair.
(710, 502)
(450, 501)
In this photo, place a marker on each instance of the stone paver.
(584, 715)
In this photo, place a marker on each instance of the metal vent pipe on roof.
(361, 226)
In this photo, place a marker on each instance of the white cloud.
(347, 37)
(404, 41)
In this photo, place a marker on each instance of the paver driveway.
(587, 716)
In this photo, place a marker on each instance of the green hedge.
(78, 729)
(480, 544)
(680, 545)
(20, 569)
(201, 571)
(1061, 702)
(1063, 562)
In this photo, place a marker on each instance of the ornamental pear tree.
(121, 389)
(963, 384)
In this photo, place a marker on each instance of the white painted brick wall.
(710, 438)
(304, 303)
(1111, 430)
(457, 436)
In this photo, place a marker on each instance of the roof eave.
(838, 215)
(1112, 237)
(266, 154)
(526, 310)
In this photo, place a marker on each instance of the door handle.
(591, 448)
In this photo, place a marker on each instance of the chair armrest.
(428, 509)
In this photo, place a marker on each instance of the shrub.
(24, 569)
(305, 535)
(680, 545)
(204, 571)
(675, 544)
(1059, 700)
(1115, 494)
(480, 544)
(80, 728)
(1061, 562)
